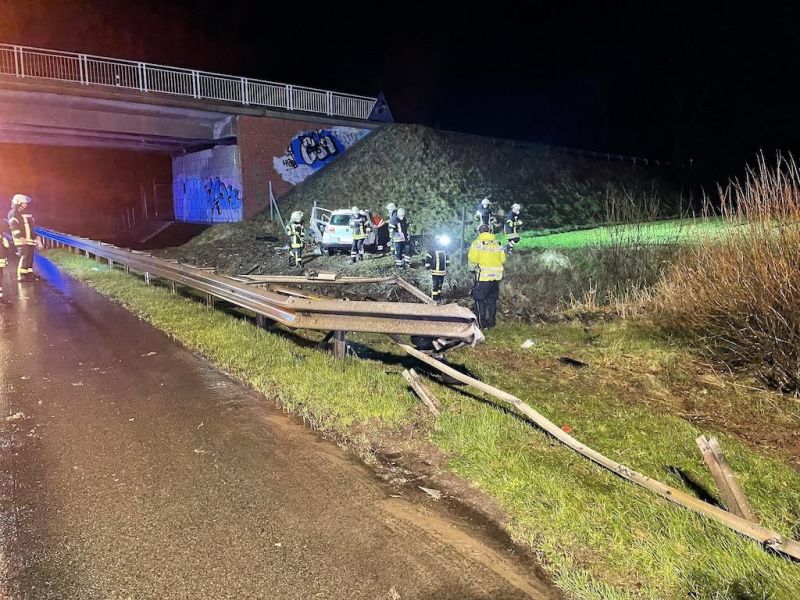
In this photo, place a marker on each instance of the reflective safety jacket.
(400, 229)
(437, 262)
(512, 225)
(486, 257)
(360, 226)
(296, 233)
(21, 225)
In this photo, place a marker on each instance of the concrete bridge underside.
(225, 157)
(55, 120)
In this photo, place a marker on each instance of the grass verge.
(598, 536)
(658, 232)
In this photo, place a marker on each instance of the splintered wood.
(732, 494)
(766, 537)
(424, 394)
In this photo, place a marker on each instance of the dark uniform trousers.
(437, 262)
(486, 294)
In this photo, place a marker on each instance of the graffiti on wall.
(207, 200)
(310, 151)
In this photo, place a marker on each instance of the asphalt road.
(130, 468)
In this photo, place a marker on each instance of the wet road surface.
(131, 469)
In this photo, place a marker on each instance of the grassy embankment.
(435, 175)
(642, 400)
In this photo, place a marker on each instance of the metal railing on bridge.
(86, 69)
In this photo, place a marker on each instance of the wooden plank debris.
(726, 480)
(428, 399)
(414, 291)
(766, 537)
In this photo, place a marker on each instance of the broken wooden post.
(339, 344)
(726, 480)
(428, 399)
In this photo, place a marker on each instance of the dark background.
(697, 83)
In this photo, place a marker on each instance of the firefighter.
(401, 237)
(388, 235)
(20, 221)
(360, 223)
(297, 238)
(486, 258)
(6, 250)
(437, 261)
(512, 227)
(484, 214)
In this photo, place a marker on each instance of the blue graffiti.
(315, 148)
(208, 200)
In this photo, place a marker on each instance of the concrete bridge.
(231, 139)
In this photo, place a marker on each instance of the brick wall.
(261, 140)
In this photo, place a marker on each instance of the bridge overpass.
(231, 139)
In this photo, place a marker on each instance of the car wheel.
(329, 251)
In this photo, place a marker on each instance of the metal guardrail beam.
(293, 309)
(25, 62)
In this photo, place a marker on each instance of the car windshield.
(340, 220)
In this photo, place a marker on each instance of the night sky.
(671, 81)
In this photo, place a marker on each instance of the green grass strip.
(658, 232)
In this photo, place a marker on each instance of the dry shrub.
(738, 292)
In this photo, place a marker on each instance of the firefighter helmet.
(391, 207)
(297, 216)
(401, 213)
(18, 199)
(485, 203)
(354, 210)
(515, 208)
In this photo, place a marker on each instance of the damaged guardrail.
(450, 324)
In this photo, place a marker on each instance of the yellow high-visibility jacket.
(486, 256)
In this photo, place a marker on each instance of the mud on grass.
(598, 536)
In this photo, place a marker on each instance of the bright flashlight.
(444, 240)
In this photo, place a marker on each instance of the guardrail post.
(173, 287)
(110, 265)
(209, 301)
(289, 98)
(328, 103)
(146, 278)
(339, 344)
(196, 84)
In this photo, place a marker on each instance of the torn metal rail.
(293, 308)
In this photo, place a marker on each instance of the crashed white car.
(337, 234)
